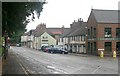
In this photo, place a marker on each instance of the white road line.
(23, 69)
(57, 70)
(96, 70)
(51, 67)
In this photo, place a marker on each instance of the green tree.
(14, 17)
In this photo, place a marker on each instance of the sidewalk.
(82, 55)
(11, 65)
(0, 66)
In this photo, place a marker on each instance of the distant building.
(53, 32)
(103, 33)
(24, 39)
(74, 38)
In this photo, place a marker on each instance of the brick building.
(103, 33)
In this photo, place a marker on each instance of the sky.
(57, 13)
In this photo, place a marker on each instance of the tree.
(14, 15)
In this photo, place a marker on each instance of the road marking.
(51, 67)
(57, 70)
(23, 69)
(96, 70)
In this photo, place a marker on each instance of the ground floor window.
(88, 46)
(118, 46)
(91, 48)
(94, 46)
(108, 46)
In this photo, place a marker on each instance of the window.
(108, 32)
(91, 32)
(62, 39)
(118, 32)
(44, 37)
(94, 46)
(88, 33)
(94, 33)
(108, 46)
(45, 40)
(82, 37)
(74, 38)
(88, 46)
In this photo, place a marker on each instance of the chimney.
(43, 26)
(62, 30)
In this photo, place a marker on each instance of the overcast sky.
(63, 12)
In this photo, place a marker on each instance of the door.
(108, 47)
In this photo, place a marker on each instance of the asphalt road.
(38, 62)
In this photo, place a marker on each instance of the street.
(37, 62)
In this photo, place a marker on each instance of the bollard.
(114, 54)
(101, 54)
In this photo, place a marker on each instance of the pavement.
(11, 65)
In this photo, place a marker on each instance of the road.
(37, 62)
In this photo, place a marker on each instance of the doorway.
(108, 46)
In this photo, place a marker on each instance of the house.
(27, 38)
(24, 39)
(63, 39)
(103, 32)
(30, 37)
(53, 33)
(47, 39)
(74, 39)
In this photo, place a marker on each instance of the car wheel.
(63, 53)
(51, 52)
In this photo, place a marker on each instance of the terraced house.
(74, 39)
(103, 32)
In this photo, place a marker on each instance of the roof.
(79, 31)
(39, 32)
(106, 16)
(65, 32)
(52, 31)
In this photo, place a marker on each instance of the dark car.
(43, 48)
(18, 44)
(58, 50)
(47, 49)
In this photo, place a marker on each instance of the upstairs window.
(88, 33)
(118, 32)
(94, 33)
(107, 33)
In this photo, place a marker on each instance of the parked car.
(18, 44)
(58, 50)
(43, 48)
(47, 49)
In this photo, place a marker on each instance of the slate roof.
(51, 31)
(106, 16)
(79, 31)
(65, 32)
(39, 32)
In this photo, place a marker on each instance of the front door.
(108, 47)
